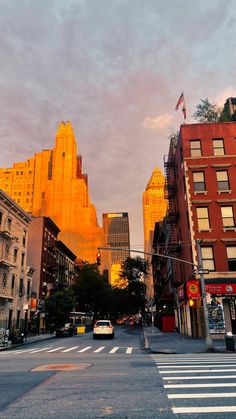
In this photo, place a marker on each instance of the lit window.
(199, 181)
(222, 180)
(227, 216)
(203, 218)
(207, 258)
(218, 147)
(231, 255)
(195, 148)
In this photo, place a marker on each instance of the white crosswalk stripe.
(184, 376)
(62, 349)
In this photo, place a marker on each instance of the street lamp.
(201, 271)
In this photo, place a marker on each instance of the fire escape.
(172, 215)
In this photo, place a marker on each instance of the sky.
(115, 69)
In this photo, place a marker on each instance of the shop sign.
(193, 289)
(33, 303)
(220, 289)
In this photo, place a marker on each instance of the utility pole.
(208, 339)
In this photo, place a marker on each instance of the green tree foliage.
(58, 307)
(135, 270)
(91, 291)
(207, 112)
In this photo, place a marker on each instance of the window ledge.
(229, 229)
(225, 191)
(199, 192)
(205, 230)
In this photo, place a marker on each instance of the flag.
(181, 100)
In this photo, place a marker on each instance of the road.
(114, 379)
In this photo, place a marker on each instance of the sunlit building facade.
(154, 210)
(51, 183)
(116, 234)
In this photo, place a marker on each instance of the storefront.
(221, 300)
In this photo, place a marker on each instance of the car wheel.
(94, 337)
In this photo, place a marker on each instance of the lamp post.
(208, 339)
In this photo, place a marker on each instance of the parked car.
(67, 330)
(103, 328)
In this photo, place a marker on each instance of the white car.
(103, 328)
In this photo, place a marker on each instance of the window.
(22, 259)
(13, 282)
(227, 216)
(21, 285)
(15, 255)
(207, 258)
(28, 288)
(222, 180)
(231, 255)
(218, 147)
(4, 280)
(199, 181)
(203, 218)
(24, 238)
(195, 148)
(0, 217)
(9, 224)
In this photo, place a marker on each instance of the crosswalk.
(199, 383)
(74, 349)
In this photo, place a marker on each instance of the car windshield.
(105, 323)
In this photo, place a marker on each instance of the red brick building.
(201, 188)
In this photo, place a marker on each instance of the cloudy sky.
(115, 69)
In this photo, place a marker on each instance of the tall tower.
(52, 184)
(116, 234)
(154, 209)
(154, 204)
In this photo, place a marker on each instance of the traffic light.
(98, 256)
(192, 302)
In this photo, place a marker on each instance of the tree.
(207, 112)
(135, 270)
(58, 307)
(91, 290)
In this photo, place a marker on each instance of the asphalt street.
(78, 377)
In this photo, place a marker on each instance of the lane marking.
(39, 350)
(56, 349)
(22, 351)
(70, 349)
(115, 349)
(196, 362)
(195, 371)
(197, 366)
(200, 385)
(200, 395)
(99, 349)
(129, 350)
(85, 349)
(200, 377)
(210, 409)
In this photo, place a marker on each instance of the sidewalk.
(175, 343)
(30, 339)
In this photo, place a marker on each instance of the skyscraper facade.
(116, 234)
(154, 210)
(51, 183)
(154, 205)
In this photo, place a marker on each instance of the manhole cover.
(61, 367)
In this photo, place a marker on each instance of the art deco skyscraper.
(154, 209)
(51, 183)
(116, 234)
(154, 204)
